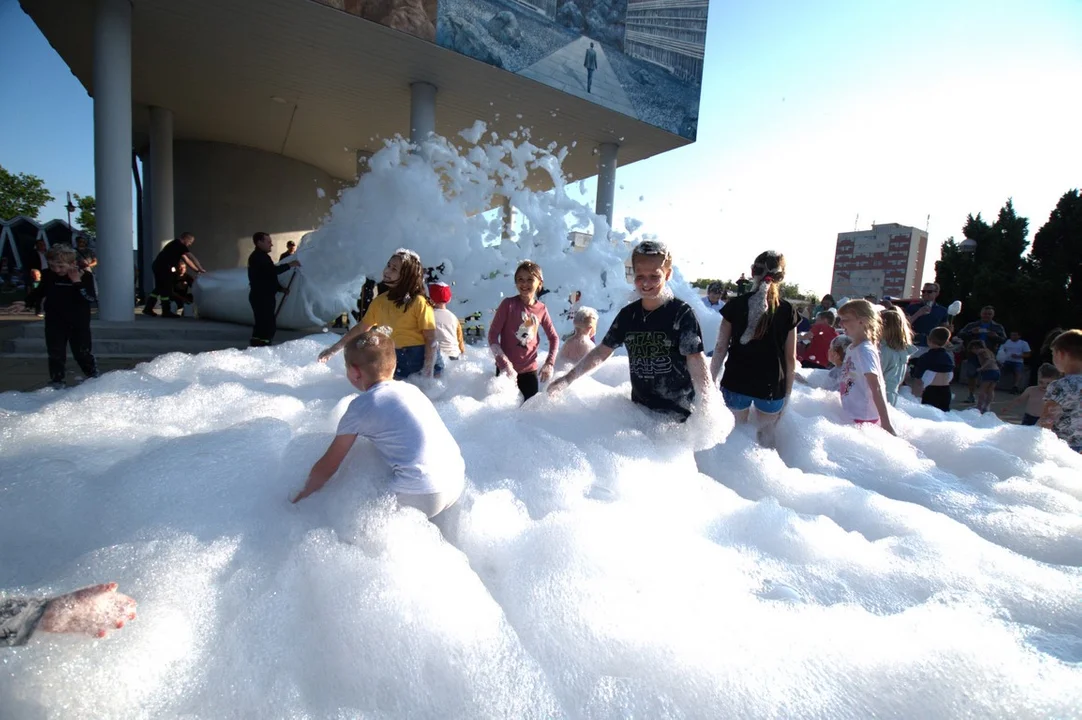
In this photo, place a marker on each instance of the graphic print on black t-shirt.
(657, 343)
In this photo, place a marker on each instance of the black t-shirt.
(658, 342)
(263, 274)
(757, 369)
(170, 255)
(937, 360)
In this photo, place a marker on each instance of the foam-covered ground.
(607, 566)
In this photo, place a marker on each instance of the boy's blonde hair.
(897, 335)
(1069, 343)
(840, 344)
(586, 316)
(372, 352)
(652, 248)
(1048, 371)
(864, 310)
(61, 252)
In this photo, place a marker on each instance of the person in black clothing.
(935, 369)
(263, 288)
(165, 267)
(182, 286)
(742, 285)
(758, 334)
(66, 292)
(291, 248)
(664, 344)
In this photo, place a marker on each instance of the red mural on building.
(892, 262)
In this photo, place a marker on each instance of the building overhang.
(315, 84)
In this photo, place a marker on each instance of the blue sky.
(812, 114)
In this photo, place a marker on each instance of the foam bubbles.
(609, 564)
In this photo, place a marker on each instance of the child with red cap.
(448, 328)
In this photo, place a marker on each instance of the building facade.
(669, 33)
(886, 260)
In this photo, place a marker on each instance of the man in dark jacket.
(263, 288)
(165, 268)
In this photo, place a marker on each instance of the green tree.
(21, 194)
(86, 219)
(1055, 267)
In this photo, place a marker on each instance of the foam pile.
(607, 565)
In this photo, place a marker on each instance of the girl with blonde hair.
(863, 397)
(895, 348)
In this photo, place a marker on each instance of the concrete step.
(143, 347)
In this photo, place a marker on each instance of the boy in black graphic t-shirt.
(664, 344)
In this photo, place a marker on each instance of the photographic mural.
(642, 58)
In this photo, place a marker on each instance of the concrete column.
(606, 180)
(363, 157)
(422, 111)
(112, 159)
(161, 180)
(508, 218)
(147, 257)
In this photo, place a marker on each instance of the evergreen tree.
(1056, 263)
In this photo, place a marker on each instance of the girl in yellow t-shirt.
(406, 310)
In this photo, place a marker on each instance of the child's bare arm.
(432, 346)
(1050, 414)
(352, 334)
(461, 339)
(594, 358)
(721, 348)
(790, 362)
(880, 400)
(327, 465)
(1024, 397)
(700, 375)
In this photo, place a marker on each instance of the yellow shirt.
(408, 323)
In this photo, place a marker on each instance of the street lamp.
(70, 208)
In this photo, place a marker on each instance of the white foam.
(609, 564)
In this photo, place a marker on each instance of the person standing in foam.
(758, 334)
(429, 473)
(863, 398)
(513, 334)
(895, 348)
(405, 309)
(581, 343)
(448, 328)
(664, 344)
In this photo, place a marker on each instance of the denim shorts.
(989, 375)
(1012, 366)
(737, 401)
(411, 360)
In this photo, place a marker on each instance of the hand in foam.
(93, 611)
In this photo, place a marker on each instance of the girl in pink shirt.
(513, 335)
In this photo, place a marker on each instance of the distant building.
(669, 33)
(580, 240)
(886, 260)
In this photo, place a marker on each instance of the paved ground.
(564, 70)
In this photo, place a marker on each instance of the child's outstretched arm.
(1024, 397)
(700, 376)
(554, 347)
(594, 358)
(790, 362)
(880, 400)
(461, 339)
(432, 347)
(352, 334)
(721, 349)
(327, 465)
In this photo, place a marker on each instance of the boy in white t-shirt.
(429, 472)
(1015, 352)
(448, 328)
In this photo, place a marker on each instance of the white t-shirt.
(1013, 349)
(447, 332)
(713, 306)
(856, 395)
(409, 435)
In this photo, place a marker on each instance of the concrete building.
(239, 110)
(669, 33)
(886, 260)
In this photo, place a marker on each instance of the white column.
(606, 180)
(148, 228)
(422, 111)
(112, 159)
(161, 180)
